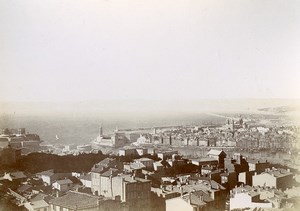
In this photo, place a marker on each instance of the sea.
(83, 129)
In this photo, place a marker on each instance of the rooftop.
(215, 152)
(86, 177)
(206, 197)
(278, 173)
(64, 181)
(144, 159)
(46, 173)
(38, 204)
(76, 200)
(204, 185)
(40, 196)
(17, 175)
(110, 172)
(131, 179)
(24, 188)
(134, 166)
(105, 162)
(253, 161)
(99, 169)
(205, 159)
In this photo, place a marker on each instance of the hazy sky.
(74, 50)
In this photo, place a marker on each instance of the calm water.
(79, 130)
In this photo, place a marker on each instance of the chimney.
(118, 198)
(181, 191)
(190, 196)
(98, 201)
(201, 197)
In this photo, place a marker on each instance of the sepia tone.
(149, 105)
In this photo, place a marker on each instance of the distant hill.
(280, 109)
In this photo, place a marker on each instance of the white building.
(245, 199)
(86, 180)
(63, 185)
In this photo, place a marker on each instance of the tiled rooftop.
(76, 200)
(46, 173)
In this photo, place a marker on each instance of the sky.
(93, 50)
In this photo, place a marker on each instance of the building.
(206, 161)
(49, 176)
(117, 139)
(82, 201)
(133, 137)
(177, 162)
(229, 179)
(107, 163)
(198, 200)
(147, 162)
(63, 185)
(9, 155)
(136, 192)
(166, 154)
(158, 166)
(247, 197)
(274, 178)
(219, 155)
(100, 168)
(84, 148)
(246, 177)
(16, 138)
(86, 180)
(128, 152)
(16, 177)
(143, 139)
(141, 151)
(201, 195)
(134, 168)
(4, 141)
(238, 163)
(258, 165)
(39, 205)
